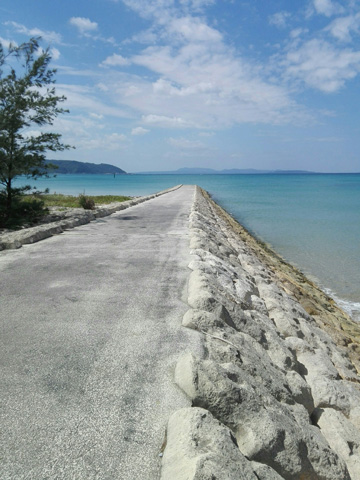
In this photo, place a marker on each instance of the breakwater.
(275, 394)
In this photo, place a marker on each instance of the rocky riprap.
(274, 396)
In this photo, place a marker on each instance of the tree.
(27, 99)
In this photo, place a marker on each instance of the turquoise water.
(313, 221)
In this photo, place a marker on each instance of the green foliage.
(59, 200)
(25, 210)
(86, 202)
(27, 99)
(70, 201)
(72, 166)
(28, 209)
(105, 199)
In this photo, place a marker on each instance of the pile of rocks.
(273, 396)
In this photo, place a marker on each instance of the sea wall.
(276, 393)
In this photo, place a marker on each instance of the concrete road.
(90, 334)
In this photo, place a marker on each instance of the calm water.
(313, 221)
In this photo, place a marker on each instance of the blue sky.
(159, 85)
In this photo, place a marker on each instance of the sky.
(165, 84)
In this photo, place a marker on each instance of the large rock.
(269, 371)
(200, 295)
(343, 438)
(293, 450)
(266, 430)
(264, 472)
(200, 448)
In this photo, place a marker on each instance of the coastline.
(67, 219)
(326, 309)
(311, 221)
(272, 389)
(328, 314)
(276, 393)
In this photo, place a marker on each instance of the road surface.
(90, 334)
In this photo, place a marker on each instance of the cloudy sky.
(163, 84)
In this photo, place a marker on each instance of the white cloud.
(86, 134)
(97, 116)
(6, 43)
(116, 60)
(342, 27)
(146, 37)
(210, 86)
(327, 7)
(279, 19)
(51, 37)
(151, 8)
(84, 25)
(165, 87)
(321, 65)
(75, 129)
(32, 133)
(55, 53)
(200, 81)
(117, 137)
(87, 29)
(76, 72)
(196, 5)
(102, 87)
(162, 8)
(110, 142)
(164, 121)
(185, 144)
(297, 32)
(327, 139)
(80, 97)
(195, 81)
(192, 29)
(139, 131)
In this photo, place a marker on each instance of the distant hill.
(232, 171)
(72, 166)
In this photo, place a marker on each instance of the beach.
(263, 367)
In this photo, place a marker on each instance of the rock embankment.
(274, 396)
(59, 221)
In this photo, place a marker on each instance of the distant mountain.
(232, 171)
(72, 166)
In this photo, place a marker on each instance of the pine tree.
(27, 99)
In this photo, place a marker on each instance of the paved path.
(90, 332)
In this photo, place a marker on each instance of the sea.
(312, 221)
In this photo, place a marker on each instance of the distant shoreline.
(207, 174)
(253, 173)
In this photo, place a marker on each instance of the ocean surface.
(313, 221)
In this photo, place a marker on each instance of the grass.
(59, 200)
(28, 209)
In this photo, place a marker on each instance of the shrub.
(25, 210)
(86, 202)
